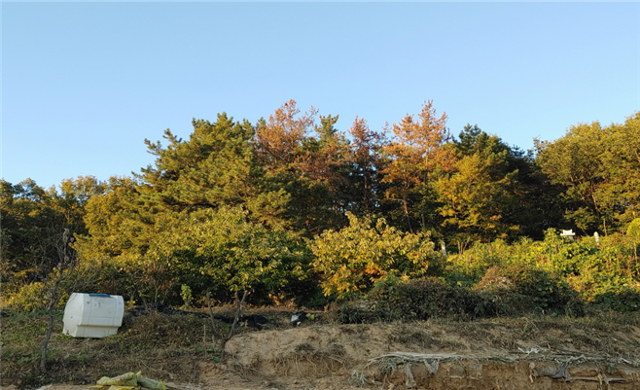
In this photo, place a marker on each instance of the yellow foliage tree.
(353, 259)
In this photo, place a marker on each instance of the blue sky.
(84, 83)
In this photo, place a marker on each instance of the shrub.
(356, 312)
(352, 260)
(622, 299)
(29, 297)
(431, 297)
(526, 289)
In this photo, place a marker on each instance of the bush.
(621, 298)
(514, 290)
(524, 289)
(431, 297)
(356, 312)
(29, 297)
(352, 260)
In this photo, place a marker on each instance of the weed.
(144, 339)
(357, 379)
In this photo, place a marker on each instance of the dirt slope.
(488, 355)
(507, 353)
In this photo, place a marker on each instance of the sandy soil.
(423, 356)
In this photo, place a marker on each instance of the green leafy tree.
(573, 162)
(32, 219)
(118, 231)
(478, 198)
(110, 228)
(228, 252)
(27, 224)
(136, 226)
(597, 170)
(71, 197)
(621, 168)
(216, 166)
(352, 260)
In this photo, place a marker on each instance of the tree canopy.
(292, 205)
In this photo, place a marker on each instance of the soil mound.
(455, 356)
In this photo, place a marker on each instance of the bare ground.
(490, 354)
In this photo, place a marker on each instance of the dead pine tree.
(67, 257)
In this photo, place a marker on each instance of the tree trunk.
(64, 268)
(235, 320)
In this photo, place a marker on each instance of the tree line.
(293, 208)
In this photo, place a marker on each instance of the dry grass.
(308, 360)
(163, 347)
(169, 348)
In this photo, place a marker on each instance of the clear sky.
(84, 83)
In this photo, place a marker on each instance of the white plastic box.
(93, 315)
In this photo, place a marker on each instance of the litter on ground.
(128, 381)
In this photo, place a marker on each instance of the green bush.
(525, 289)
(621, 294)
(621, 299)
(356, 312)
(603, 272)
(431, 297)
(514, 290)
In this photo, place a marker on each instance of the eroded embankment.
(455, 356)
